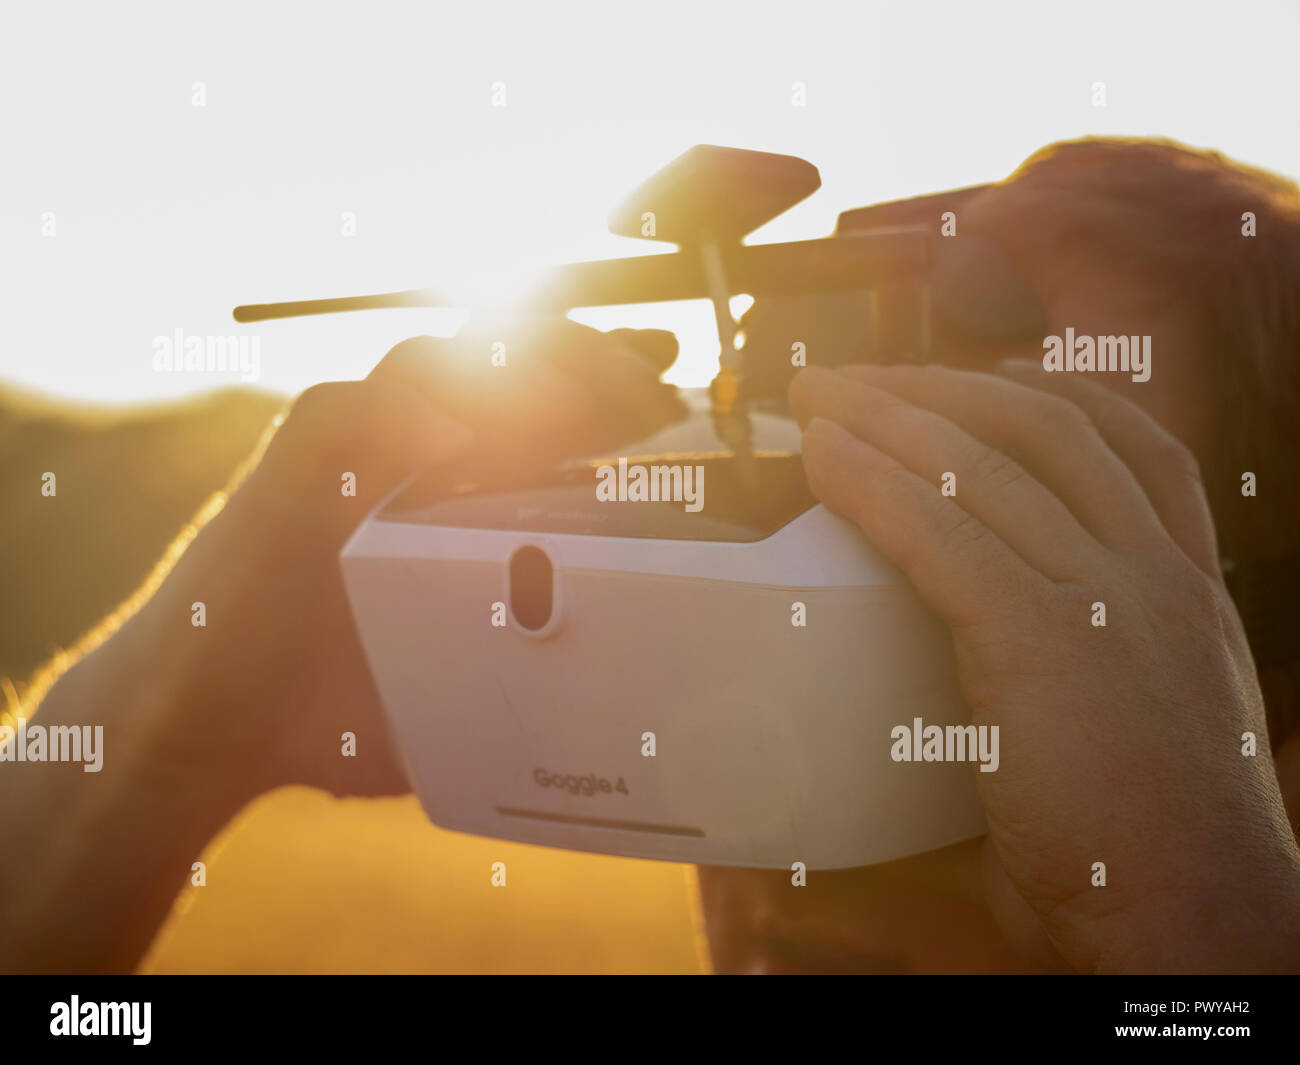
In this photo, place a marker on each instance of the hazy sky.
(166, 215)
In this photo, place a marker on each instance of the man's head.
(1151, 232)
(1202, 254)
(1113, 237)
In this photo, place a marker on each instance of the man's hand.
(199, 720)
(1121, 744)
(277, 675)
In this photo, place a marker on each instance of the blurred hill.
(127, 482)
(300, 882)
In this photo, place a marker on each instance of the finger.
(1048, 435)
(378, 432)
(620, 370)
(508, 405)
(393, 427)
(990, 487)
(658, 346)
(964, 571)
(554, 380)
(1167, 471)
(420, 364)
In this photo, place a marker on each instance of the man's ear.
(1287, 761)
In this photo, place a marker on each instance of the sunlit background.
(167, 215)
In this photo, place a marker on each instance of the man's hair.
(1177, 213)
